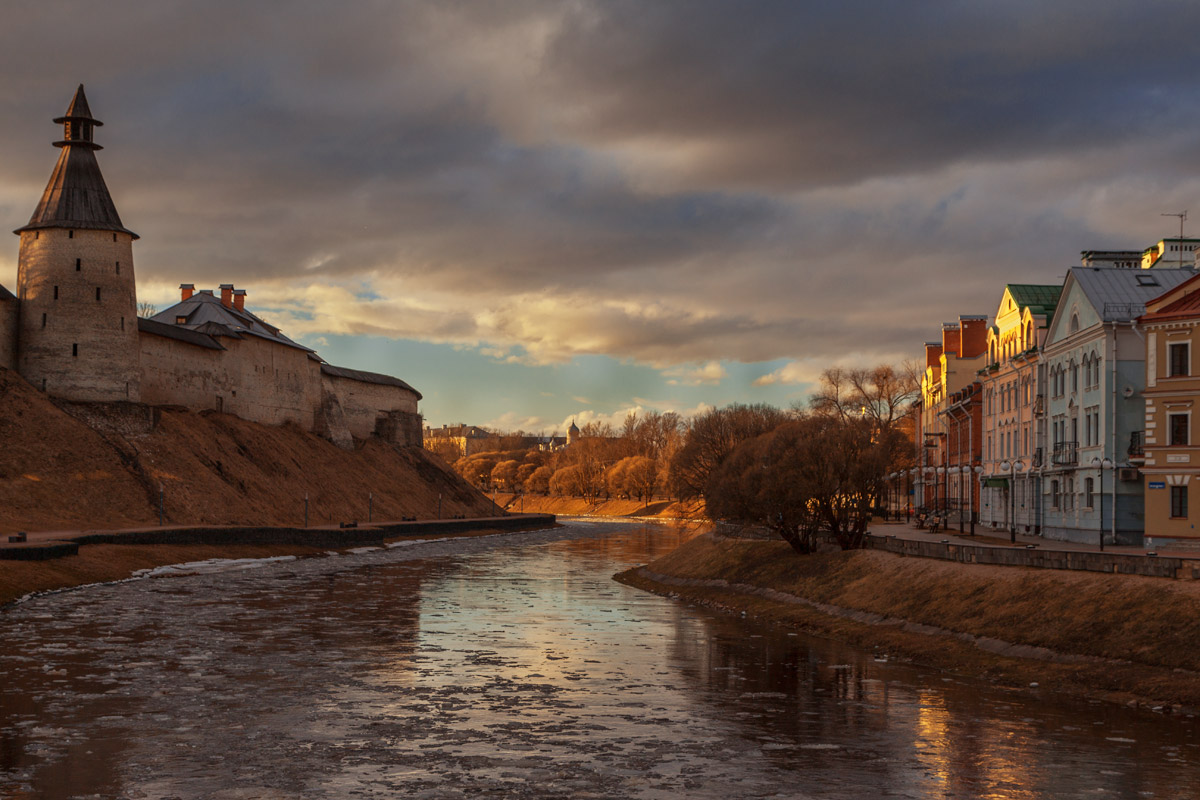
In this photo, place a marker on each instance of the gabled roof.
(76, 195)
(1038, 298)
(1182, 302)
(207, 314)
(1122, 294)
(367, 377)
(180, 334)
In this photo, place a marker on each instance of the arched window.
(1074, 323)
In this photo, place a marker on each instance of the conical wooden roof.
(76, 195)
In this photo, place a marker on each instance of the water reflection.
(515, 670)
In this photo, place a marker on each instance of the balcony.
(1137, 444)
(1065, 454)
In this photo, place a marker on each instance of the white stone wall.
(252, 378)
(9, 318)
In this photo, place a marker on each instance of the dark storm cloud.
(667, 181)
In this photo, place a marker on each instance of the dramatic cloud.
(682, 184)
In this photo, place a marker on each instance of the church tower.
(78, 330)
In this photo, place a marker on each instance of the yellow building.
(1170, 447)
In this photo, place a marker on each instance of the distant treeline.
(814, 467)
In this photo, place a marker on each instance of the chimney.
(951, 339)
(187, 290)
(227, 294)
(973, 335)
(933, 354)
(239, 299)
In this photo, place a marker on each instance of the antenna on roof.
(1182, 216)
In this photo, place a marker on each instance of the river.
(514, 666)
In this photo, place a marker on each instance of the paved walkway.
(998, 538)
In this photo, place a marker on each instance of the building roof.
(1038, 298)
(5, 294)
(76, 195)
(181, 334)
(205, 313)
(367, 377)
(1122, 294)
(1185, 306)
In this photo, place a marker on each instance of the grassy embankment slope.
(56, 473)
(1123, 638)
(577, 506)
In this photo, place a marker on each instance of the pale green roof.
(1039, 298)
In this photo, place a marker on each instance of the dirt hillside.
(56, 473)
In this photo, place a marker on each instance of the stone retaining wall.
(1150, 566)
(365, 536)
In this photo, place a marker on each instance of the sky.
(535, 212)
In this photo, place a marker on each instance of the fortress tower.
(78, 328)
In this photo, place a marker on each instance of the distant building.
(950, 366)
(72, 329)
(1012, 428)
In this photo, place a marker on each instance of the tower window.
(78, 264)
(70, 234)
(114, 237)
(55, 292)
(97, 294)
(122, 323)
(43, 320)
(37, 234)
(75, 349)
(118, 267)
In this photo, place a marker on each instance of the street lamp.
(1012, 470)
(978, 468)
(1103, 464)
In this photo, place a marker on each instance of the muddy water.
(514, 667)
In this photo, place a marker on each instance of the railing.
(1137, 444)
(1065, 454)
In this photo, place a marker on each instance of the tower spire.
(76, 195)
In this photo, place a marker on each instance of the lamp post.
(1106, 464)
(912, 479)
(978, 469)
(1012, 469)
(939, 472)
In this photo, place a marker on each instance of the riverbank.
(106, 562)
(578, 507)
(1122, 638)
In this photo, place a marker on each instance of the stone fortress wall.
(72, 328)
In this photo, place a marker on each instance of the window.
(1054, 494)
(43, 320)
(114, 237)
(1089, 492)
(75, 349)
(181, 320)
(1177, 358)
(97, 294)
(1074, 377)
(1178, 427)
(70, 234)
(1144, 279)
(122, 323)
(55, 292)
(78, 264)
(118, 267)
(1069, 494)
(1179, 502)
(1074, 323)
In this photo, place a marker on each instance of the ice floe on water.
(211, 565)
